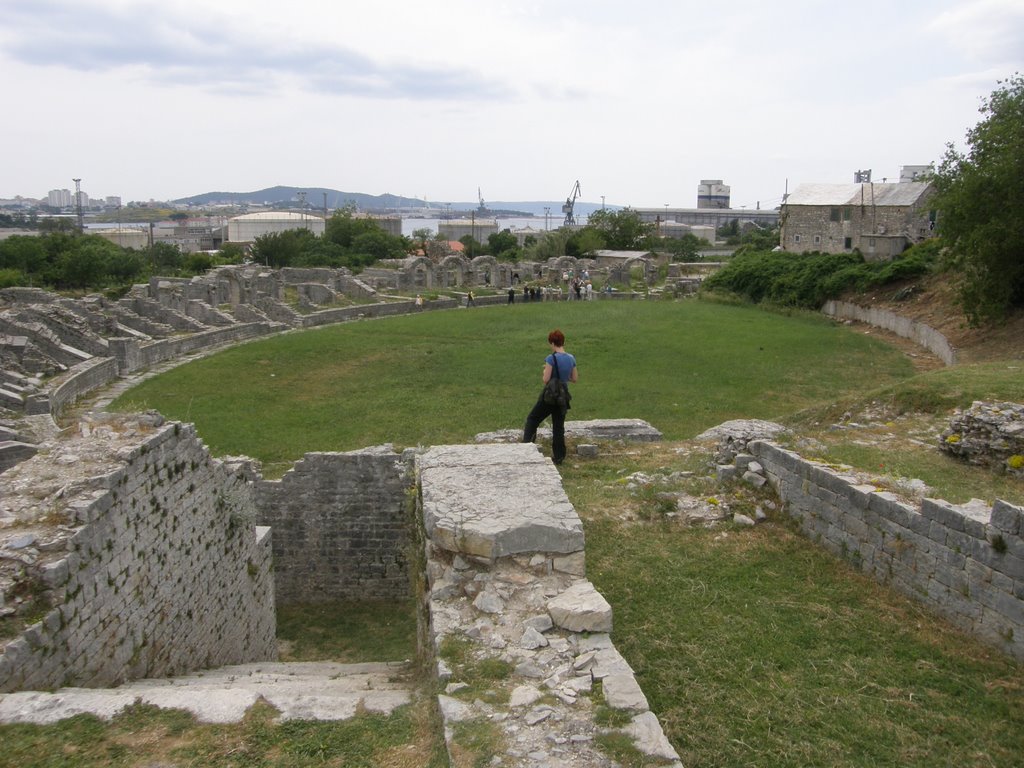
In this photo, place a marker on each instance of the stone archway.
(485, 271)
(421, 273)
(645, 266)
(452, 271)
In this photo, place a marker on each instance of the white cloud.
(638, 100)
(987, 31)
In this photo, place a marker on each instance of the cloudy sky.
(637, 100)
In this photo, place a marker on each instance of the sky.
(638, 101)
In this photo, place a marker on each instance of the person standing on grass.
(562, 365)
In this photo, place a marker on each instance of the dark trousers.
(540, 412)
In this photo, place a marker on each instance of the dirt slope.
(932, 300)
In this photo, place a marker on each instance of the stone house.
(879, 220)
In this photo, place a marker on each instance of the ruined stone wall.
(919, 333)
(131, 355)
(83, 378)
(341, 526)
(162, 572)
(964, 562)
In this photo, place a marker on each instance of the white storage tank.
(245, 229)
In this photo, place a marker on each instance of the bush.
(808, 280)
(11, 277)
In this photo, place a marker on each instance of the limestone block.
(581, 608)
(493, 501)
(574, 564)
(649, 738)
(1006, 517)
(752, 478)
(623, 692)
(726, 473)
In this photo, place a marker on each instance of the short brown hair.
(557, 338)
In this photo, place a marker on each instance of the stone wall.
(158, 570)
(990, 434)
(965, 562)
(341, 526)
(919, 333)
(131, 355)
(506, 583)
(83, 378)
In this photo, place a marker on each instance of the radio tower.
(78, 205)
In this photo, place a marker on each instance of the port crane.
(570, 203)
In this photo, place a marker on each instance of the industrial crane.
(570, 203)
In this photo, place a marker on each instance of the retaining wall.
(341, 526)
(919, 333)
(165, 574)
(83, 378)
(965, 563)
(131, 355)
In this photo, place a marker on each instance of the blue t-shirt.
(566, 363)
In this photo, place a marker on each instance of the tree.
(584, 242)
(503, 245)
(980, 199)
(343, 227)
(621, 230)
(282, 249)
(166, 258)
(420, 236)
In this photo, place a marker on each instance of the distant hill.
(288, 197)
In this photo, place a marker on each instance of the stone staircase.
(298, 690)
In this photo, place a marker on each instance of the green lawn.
(442, 377)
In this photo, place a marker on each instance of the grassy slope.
(443, 377)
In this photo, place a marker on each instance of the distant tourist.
(511, 295)
(559, 364)
(469, 299)
(419, 301)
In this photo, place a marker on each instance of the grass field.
(754, 647)
(442, 377)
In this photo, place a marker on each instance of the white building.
(59, 198)
(245, 229)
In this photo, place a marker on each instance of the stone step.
(298, 690)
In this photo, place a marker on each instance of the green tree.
(198, 263)
(980, 199)
(344, 227)
(25, 253)
(621, 230)
(283, 249)
(86, 265)
(503, 245)
(473, 246)
(685, 248)
(420, 237)
(379, 244)
(166, 258)
(231, 253)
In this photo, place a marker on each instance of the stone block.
(1006, 517)
(943, 512)
(623, 692)
(581, 608)
(574, 563)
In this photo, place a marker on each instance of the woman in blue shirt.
(562, 365)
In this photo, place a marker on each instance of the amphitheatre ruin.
(135, 564)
